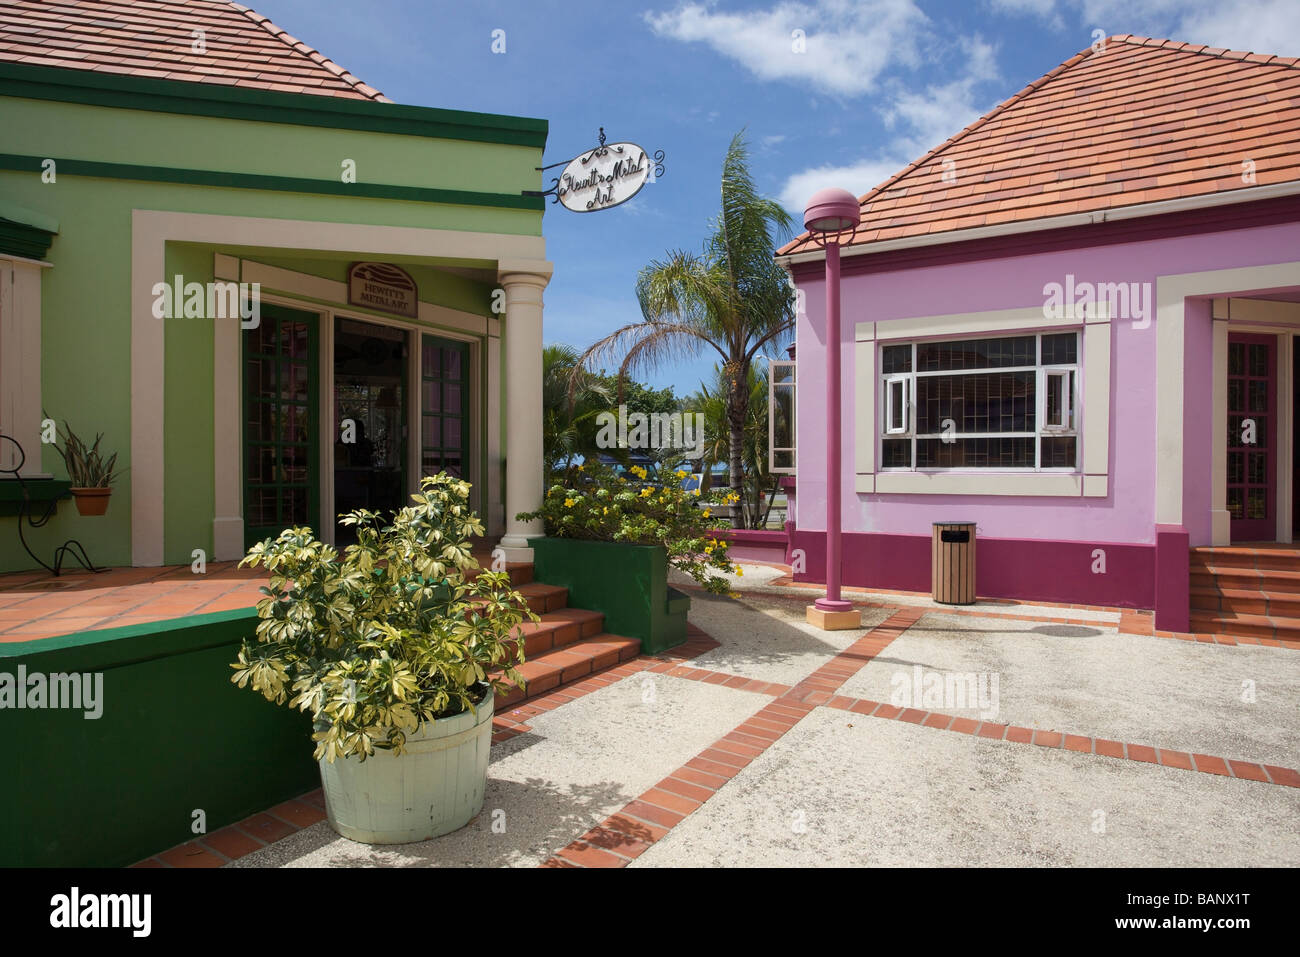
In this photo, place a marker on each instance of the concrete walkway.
(927, 738)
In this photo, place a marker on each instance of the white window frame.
(772, 386)
(887, 432)
(903, 380)
(1068, 400)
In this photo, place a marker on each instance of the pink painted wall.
(958, 282)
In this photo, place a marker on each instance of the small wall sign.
(384, 288)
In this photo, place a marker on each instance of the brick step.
(1246, 579)
(559, 628)
(1264, 559)
(520, 573)
(1212, 599)
(543, 598)
(1249, 626)
(568, 663)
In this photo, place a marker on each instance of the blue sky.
(880, 82)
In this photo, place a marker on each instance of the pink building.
(1074, 323)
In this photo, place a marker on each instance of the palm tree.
(712, 402)
(733, 298)
(571, 400)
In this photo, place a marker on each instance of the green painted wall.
(86, 297)
(75, 131)
(188, 473)
(175, 736)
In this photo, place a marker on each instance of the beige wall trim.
(150, 232)
(980, 483)
(1171, 295)
(1095, 372)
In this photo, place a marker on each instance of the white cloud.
(857, 178)
(1257, 26)
(848, 44)
(920, 121)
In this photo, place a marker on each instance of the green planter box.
(628, 584)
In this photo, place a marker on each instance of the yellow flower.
(708, 549)
(645, 492)
(708, 513)
(579, 466)
(568, 503)
(697, 492)
(680, 474)
(740, 571)
(734, 594)
(605, 512)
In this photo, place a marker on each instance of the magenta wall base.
(1086, 573)
(1173, 578)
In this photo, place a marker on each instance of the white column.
(522, 376)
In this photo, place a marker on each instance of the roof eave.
(1252, 194)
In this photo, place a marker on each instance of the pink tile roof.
(154, 38)
(1139, 122)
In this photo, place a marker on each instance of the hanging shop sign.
(384, 288)
(604, 177)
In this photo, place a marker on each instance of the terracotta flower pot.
(91, 501)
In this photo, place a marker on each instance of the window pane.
(1000, 453)
(897, 406)
(782, 417)
(896, 454)
(976, 354)
(1061, 349)
(996, 402)
(895, 359)
(1059, 453)
(783, 460)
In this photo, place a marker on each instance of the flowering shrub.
(602, 506)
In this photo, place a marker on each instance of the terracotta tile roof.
(154, 38)
(1141, 121)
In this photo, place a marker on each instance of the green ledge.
(41, 492)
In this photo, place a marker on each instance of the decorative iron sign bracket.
(603, 177)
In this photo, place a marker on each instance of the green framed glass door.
(370, 416)
(444, 407)
(281, 423)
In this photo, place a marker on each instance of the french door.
(1252, 437)
(281, 432)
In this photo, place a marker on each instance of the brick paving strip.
(1247, 770)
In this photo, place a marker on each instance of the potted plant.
(611, 541)
(91, 474)
(395, 648)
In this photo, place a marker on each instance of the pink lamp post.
(832, 214)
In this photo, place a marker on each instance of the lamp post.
(831, 215)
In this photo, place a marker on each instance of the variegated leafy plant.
(399, 630)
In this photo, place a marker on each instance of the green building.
(276, 293)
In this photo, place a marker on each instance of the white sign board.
(603, 178)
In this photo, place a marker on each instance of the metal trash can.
(952, 574)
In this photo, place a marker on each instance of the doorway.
(281, 436)
(370, 428)
(1252, 437)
